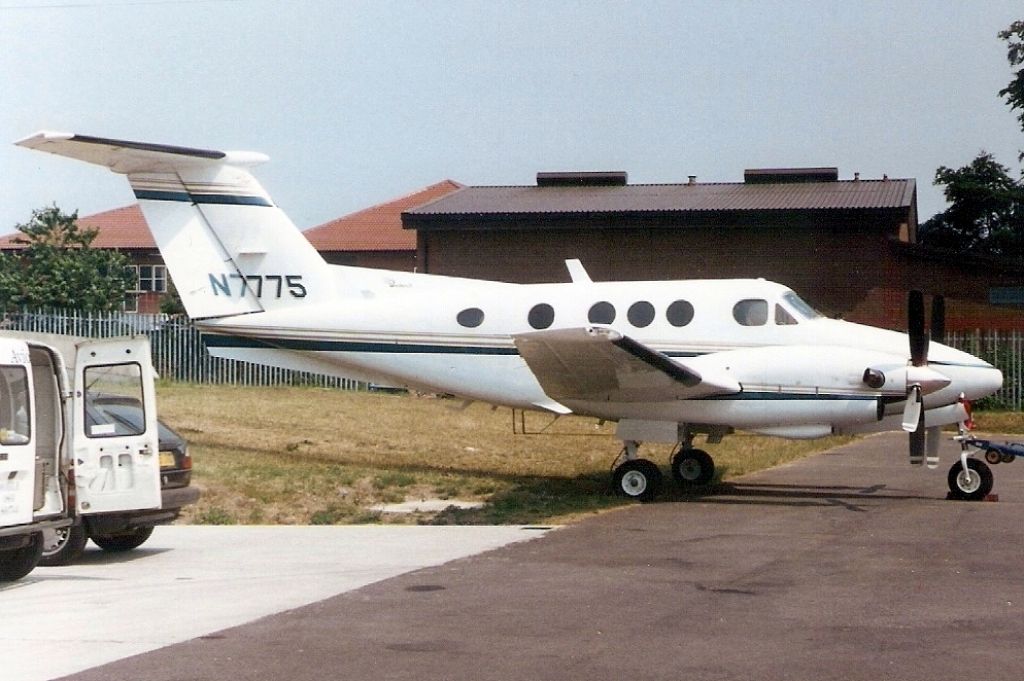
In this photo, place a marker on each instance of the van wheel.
(124, 541)
(17, 563)
(63, 546)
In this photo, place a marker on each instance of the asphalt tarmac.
(849, 565)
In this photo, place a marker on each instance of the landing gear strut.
(969, 479)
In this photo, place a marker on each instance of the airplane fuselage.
(801, 374)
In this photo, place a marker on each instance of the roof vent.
(612, 178)
(789, 175)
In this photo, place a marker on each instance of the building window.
(152, 278)
(640, 314)
(601, 313)
(541, 316)
(751, 312)
(679, 313)
(131, 302)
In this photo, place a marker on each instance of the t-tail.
(229, 249)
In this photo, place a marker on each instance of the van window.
(15, 417)
(111, 389)
(751, 312)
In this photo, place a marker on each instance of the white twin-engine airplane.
(664, 359)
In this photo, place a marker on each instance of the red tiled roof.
(378, 228)
(118, 228)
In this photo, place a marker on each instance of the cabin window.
(751, 312)
(471, 317)
(640, 314)
(541, 316)
(679, 313)
(782, 317)
(601, 313)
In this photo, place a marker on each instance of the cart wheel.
(1008, 457)
(993, 456)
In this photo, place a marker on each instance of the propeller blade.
(913, 411)
(938, 319)
(915, 329)
(933, 436)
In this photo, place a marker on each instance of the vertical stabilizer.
(228, 248)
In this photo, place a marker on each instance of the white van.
(56, 464)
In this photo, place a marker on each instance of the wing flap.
(600, 364)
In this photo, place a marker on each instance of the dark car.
(127, 530)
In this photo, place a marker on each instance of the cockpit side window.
(751, 312)
(799, 306)
(782, 316)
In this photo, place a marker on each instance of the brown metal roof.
(378, 228)
(672, 198)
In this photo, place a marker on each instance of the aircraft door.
(17, 447)
(116, 459)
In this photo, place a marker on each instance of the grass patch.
(293, 455)
(1009, 422)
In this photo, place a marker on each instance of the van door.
(116, 459)
(17, 446)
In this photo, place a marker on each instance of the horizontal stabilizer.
(125, 157)
(596, 363)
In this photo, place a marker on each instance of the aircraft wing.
(599, 364)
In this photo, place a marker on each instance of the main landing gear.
(640, 479)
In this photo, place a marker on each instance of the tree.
(986, 211)
(1014, 92)
(986, 205)
(58, 268)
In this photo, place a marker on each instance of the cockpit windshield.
(796, 304)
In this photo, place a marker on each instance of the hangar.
(847, 246)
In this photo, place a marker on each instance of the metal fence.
(1005, 351)
(179, 355)
(177, 347)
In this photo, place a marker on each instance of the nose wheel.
(972, 483)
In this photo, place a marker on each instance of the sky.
(357, 103)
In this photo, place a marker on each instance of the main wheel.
(692, 467)
(124, 541)
(637, 479)
(17, 563)
(974, 486)
(63, 546)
